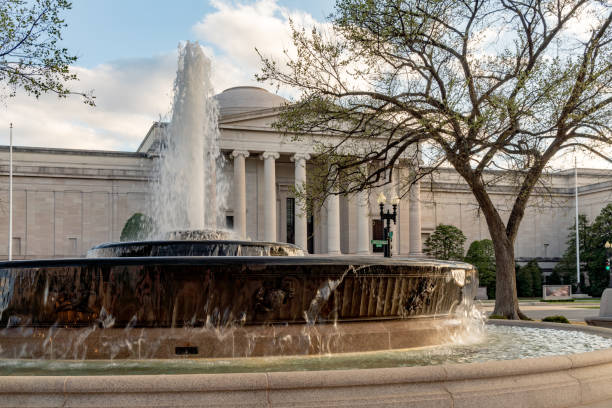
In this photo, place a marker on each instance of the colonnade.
(331, 206)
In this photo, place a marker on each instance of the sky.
(127, 54)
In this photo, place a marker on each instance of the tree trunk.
(506, 301)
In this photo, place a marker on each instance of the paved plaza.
(575, 312)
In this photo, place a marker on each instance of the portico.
(279, 184)
(269, 167)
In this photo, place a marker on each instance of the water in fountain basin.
(499, 343)
(191, 187)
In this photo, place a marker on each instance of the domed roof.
(242, 99)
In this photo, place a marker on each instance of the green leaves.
(446, 242)
(593, 237)
(30, 57)
(138, 227)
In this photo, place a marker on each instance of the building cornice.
(73, 152)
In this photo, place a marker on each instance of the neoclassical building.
(66, 201)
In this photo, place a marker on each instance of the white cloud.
(235, 29)
(130, 95)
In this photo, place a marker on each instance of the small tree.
(31, 57)
(566, 267)
(600, 233)
(536, 277)
(524, 281)
(137, 228)
(481, 254)
(446, 243)
(592, 252)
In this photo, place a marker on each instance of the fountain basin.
(190, 247)
(579, 380)
(226, 306)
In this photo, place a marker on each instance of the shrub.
(446, 242)
(136, 228)
(555, 319)
(524, 281)
(482, 255)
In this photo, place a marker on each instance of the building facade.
(66, 201)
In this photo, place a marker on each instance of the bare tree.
(479, 85)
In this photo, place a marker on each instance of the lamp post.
(388, 216)
(608, 247)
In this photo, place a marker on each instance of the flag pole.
(577, 235)
(10, 231)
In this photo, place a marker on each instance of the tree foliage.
(565, 270)
(593, 238)
(481, 254)
(402, 87)
(138, 227)
(31, 55)
(446, 242)
(529, 279)
(524, 282)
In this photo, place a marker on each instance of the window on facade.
(377, 234)
(16, 246)
(229, 221)
(73, 248)
(291, 220)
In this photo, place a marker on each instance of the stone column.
(363, 223)
(333, 224)
(415, 220)
(301, 223)
(240, 192)
(269, 159)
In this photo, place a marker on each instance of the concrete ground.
(575, 312)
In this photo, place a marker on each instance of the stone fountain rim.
(553, 381)
(193, 241)
(455, 371)
(344, 260)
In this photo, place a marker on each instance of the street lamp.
(388, 216)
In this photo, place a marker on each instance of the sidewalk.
(574, 311)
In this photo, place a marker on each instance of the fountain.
(193, 290)
(258, 323)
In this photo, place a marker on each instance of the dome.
(242, 99)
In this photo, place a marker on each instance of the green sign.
(379, 242)
(390, 234)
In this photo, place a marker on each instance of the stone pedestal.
(605, 311)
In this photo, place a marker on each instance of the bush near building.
(138, 227)
(446, 243)
(529, 279)
(482, 255)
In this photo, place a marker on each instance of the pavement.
(575, 312)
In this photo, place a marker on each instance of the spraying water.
(187, 194)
